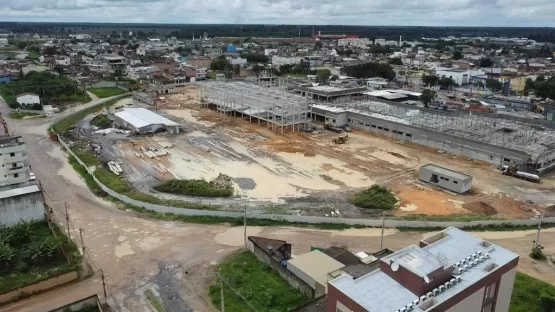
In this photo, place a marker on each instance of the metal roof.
(317, 265)
(377, 292)
(446, 172)
(19, 191)
(141, 117)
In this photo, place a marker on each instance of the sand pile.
(480, 208)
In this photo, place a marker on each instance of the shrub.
(376, 197)
(193, 188)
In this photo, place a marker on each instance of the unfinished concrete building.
(496, 139)
(272, 107)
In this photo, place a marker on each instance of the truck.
(514, 172)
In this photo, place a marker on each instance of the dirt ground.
(177, 260)
(303, 164)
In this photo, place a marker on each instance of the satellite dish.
(426, 279)
(394, 266)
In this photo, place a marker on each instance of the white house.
(27, 99)
(353, 42)
(282, 60)
(63, 60)
(268, 52)
(4, 42)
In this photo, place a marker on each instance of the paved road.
(136, 253)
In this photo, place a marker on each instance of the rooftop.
(377, 291)
(447, 172)
(19, 191)
(317, 265)
(142, 117)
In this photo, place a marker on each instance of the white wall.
(472, 303)
(29, 207)
(505, 291)
(302, 275)
(28, 99)
(6, 160)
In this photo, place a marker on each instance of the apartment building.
(13, 158)
(284, 60)
(450, 271)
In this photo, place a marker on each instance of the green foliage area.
(445, 82)
(221, 63)
(255, 58)
(154, 301)
(261, 286)
(457, 55)
(427, 96)
(376, 197)
(66, 123)
(50, 87)
(16, 115)
(101, 121)
(486, 62)
(322, 75)
(30, 253)
(193, 188)
(494, 85)
(395, 61)
(369, 70)
(530, 294)
(430, 80)
(106, 92)
(544, 88)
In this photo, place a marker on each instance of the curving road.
(178, 259)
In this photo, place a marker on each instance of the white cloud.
(352, 12)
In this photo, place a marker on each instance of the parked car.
(32, 176)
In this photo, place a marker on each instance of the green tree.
(486, 62)
(529, 84)
(220, 63)
(494, 85)
(457, 55)
(540, 78)
(7, 254)
(257, 69)
(430, 80)
(237, 69)
(427, 96)
(322, 75)
(445, 82)
(376, 197)
(369, 70)
(334, 78)
(395, 61)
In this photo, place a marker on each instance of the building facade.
(445, 178)
(27, 99)
(283, 60)
(450, 271)
(13, 158)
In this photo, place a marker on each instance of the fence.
(275, 217)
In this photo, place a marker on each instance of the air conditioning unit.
(451, 284)
(422, 298)
(447, 285)
(482, 259)
(453, 281)
(459, 279)
(410, 307)
(415, 302)
(465, 268)
(479, 253)
(403, 309)
(435, 291)
(458, 264)
(468, 259)
(486, 255)
(441, 288)
(429, 295)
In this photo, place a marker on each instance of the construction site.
(287, 154)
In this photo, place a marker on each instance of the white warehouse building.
(142, 120)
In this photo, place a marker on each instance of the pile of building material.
(110, 130)
(115, 167)
(222, 181)
(164, 169)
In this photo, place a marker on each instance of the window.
(373, 126)
(490, 291)
(16, 175)
(386, 129)
(14, 165)
(12, 154)
(506, 159)
(380, 128)
(446, 179)
(409, 135)
(455, 182)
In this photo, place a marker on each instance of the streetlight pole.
(383, 226)
(222, 292)
(537, 242)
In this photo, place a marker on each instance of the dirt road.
(177, 259)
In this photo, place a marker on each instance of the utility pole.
(245, 226)
(537, 242)
(67, 222)
(85, 267)
(103, 285)
(222, 292)
(383, 226)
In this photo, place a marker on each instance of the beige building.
(315, 268)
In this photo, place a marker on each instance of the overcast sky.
(352, 12)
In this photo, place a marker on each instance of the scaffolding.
(259, 102)
(494, 129)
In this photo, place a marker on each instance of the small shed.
(313, 268)
(446, 178)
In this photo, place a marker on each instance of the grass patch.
(261, 286)
(530, 294)
(30, 253)
(193, 188)
(376, 197)
(16, 115)
(66, 123)
(154, 301)
(453, 217)
(106, 92)
(101, 121)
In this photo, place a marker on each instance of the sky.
(516, 13)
